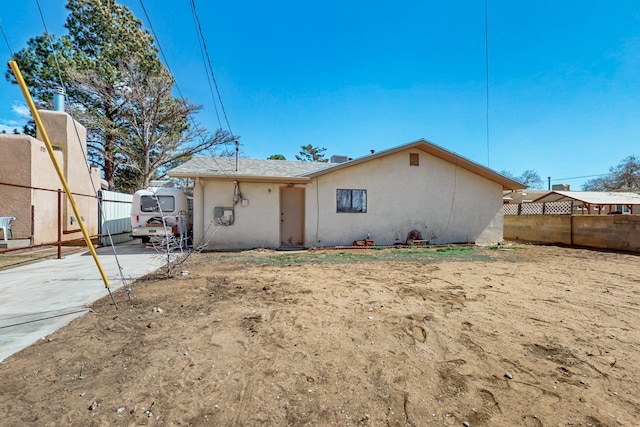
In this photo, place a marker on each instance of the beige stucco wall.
(15, 167)
(256, 225)
(45, 203)
(24, 161)
(447, 204)
(71, 138)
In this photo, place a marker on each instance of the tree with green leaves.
(103, 38)
(276, 157)
(625, 176)
(309, 153)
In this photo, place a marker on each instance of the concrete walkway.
(38, 299)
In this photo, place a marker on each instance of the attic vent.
(414, 159)
(339, 159)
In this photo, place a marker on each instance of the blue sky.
(351, 76)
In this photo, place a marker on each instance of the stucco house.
(29, 183)
(248, 203)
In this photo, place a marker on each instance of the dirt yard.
(520, 336)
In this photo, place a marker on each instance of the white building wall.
(255, 225)
(446, 203)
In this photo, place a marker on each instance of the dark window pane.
(351, 200)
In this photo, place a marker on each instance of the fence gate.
(114, 217)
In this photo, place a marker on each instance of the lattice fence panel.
(531, 209)
(548, 208)
(510, 209)
(558, 208)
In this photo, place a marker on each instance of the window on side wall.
(351, 201)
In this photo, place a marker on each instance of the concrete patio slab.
(37, 299)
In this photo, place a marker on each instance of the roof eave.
(245, 178)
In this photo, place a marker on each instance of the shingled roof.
(247, 168)
(300, 172)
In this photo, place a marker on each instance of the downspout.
(198, 212)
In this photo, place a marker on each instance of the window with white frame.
(623, 209)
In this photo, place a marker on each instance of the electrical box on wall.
(245, 203)
(223, 216)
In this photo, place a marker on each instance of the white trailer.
(159, 212)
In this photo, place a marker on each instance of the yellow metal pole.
(47, 142)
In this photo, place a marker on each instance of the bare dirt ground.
(527, 336)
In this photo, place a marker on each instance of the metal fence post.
(59, 223)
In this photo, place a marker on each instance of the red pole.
(59, 223)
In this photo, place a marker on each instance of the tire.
(145, 239)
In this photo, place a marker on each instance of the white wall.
(256, 225)
(446, 203)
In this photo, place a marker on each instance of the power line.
(166, 63)
(579, 177)
(486, 66)
(6, 40)
(204, 62)
(182, 97)
(213, 76)
(53, 51)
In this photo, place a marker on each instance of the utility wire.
(6, 40)
(53, 51)
(182, 97)
(579, 177)
(204, 61)
(486, 66)
(204, 44)
(203, 47)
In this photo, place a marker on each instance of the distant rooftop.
(592, 197)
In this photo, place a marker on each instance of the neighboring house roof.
(270, 170)
(523, 196)
(592, 197)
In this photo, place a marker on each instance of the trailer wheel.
(145, 239)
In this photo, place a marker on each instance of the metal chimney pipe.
(58, 99)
